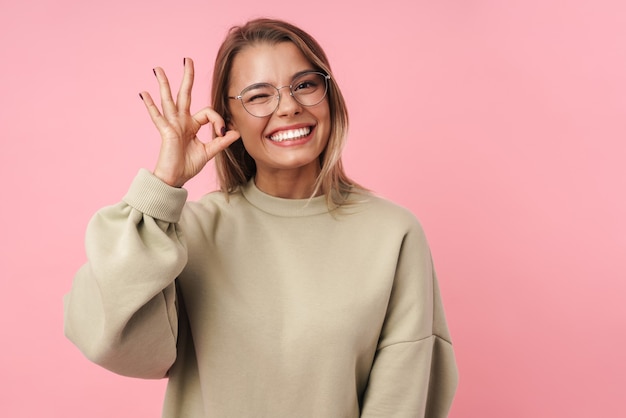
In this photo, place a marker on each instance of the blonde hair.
(235, 167)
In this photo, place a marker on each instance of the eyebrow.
(299, 73)
(296, 75)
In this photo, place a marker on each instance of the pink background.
(501, 124)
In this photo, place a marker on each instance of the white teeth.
(290, 135)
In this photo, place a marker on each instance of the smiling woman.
(287, 146)
(292, 292)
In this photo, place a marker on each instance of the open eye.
(307, 85)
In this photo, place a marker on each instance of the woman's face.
(290, 140)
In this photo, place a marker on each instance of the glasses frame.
(278, 89)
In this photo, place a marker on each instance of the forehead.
(267, 63)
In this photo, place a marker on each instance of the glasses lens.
(310, 88)
(260, 99)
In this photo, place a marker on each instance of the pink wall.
(501, 124)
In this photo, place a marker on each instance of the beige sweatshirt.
(265, 307)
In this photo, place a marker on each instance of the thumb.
(220, 143)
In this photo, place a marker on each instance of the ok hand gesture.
(182, 154)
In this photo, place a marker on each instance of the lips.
(291, 134)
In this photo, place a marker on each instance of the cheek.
(250, 132)
(324, 118)
(324, 112)
(247, 125)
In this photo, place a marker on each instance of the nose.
(287, 104)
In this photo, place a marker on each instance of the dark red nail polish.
(141, 96)
(184, 61)
(154, 71)
(223, 130)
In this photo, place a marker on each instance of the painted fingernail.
(154, 71)
(141, 96)
(184, 61)
(223, 130)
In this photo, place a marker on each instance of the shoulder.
(376, 212)
(372, 205)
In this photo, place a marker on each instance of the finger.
(220, 143)
(208, 115)
(167, 103)
(183, 99)
(155, 114)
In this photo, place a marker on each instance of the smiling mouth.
(291, 135)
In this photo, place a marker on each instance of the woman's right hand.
(182, 154)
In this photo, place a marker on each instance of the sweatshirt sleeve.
(414, 373)
(121, 309)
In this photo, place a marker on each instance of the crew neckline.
(279, 206)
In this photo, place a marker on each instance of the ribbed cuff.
(149, 195)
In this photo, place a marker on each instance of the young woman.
(292, 292)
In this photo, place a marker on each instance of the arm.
(414, 372)
(121, 310)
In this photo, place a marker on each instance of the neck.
(287, 184)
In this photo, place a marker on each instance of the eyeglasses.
(262, 99)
